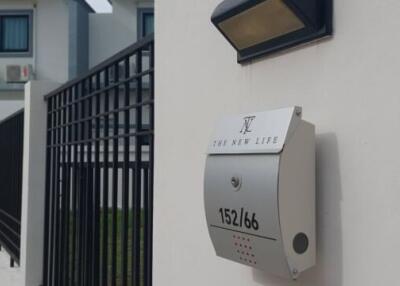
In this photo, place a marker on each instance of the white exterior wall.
(11, 101)
(348, 87)
(4, 61)
(52, 40)
(110, 33)
(50, 47)
(50, 20)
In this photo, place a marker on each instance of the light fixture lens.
(263, 22)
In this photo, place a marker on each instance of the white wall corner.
(33, 184)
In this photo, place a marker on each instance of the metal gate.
(99, 174)
(11, 149)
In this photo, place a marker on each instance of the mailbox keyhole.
(236, 182)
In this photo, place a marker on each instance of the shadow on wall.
(329, 268)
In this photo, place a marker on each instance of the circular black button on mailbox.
(300, 243)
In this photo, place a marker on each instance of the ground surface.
(9, 276)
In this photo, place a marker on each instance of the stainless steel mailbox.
(260, 191)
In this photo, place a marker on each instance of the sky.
(101, 6)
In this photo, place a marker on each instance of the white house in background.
(110, 33)
(58, 40)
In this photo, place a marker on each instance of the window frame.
(18, 13)
(140, 20)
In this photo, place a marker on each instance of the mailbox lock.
(236, 182)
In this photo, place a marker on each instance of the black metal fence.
(11, 153)
(99, 174)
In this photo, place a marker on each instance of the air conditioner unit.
(19, 73)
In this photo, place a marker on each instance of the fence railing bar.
(97, 186)
(125, 185)
(89, 192)
(58, 192)
(10, 217)
(151, 175)
(63, 197)
(75, 193)
(103, 114)
(9, 240)
(105, 235)
(132, 134)
(136, 265)
(140, 45)
(47, 210)
(13, 231)
(115, 186)
(98, 91)
(81, 188)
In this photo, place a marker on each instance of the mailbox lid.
(261, 132)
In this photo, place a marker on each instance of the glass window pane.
(148, 24)
(15, 33)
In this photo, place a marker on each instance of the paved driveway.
(9, 276)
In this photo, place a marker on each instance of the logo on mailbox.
(248, 120)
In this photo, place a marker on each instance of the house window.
(145, 22)
(15, 33)
(148, 24)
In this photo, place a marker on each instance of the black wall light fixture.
(260, 27)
